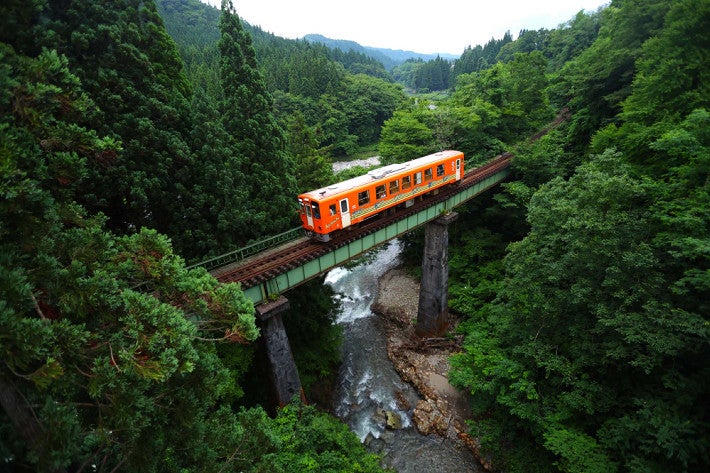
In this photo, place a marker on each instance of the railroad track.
(269, 264)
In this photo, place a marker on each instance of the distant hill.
(388, 57)
(193, 23)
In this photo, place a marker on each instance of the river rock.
(429, 419)
(394, 422)
(375, 444)
(422, 417)
(380, 416)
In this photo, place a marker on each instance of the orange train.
(338, 206)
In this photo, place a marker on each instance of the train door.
(458, 169)
(309, 216)
(345, 212)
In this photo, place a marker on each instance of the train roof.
(375, 174)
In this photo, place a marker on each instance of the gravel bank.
(343, 165)
(423, 362)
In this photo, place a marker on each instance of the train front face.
(313, 219)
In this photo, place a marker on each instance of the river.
(369, 389)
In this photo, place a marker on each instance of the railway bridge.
(271, 267)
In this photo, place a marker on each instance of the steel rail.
(249, 250)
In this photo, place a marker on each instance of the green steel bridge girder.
(296, 276)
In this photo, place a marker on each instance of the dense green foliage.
(502, 104)
(557, 46)
(479, 58)
(299, 439)
(115, 356)
(587, 347)
(107, 338)
(146, 108)
(583, 283)
(432, 75)
(143, 99)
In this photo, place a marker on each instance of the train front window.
(406, 182)
(316, 210)
(440, 170)
(363, 198)
(308, 210)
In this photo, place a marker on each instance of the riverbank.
(365, 162)
(424, 363)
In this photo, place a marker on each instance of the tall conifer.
(217, 193)
(247, 116)
(130, 67)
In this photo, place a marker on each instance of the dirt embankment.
(424, 363)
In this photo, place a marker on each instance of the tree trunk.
(22, 417)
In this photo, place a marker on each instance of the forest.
(139, 137)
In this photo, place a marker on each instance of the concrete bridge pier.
(283, 370)
(433, 312)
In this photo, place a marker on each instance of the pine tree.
(257, 137)
(218, 192)
(130, 67)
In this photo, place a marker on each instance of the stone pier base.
(433, 312)
(284, 374)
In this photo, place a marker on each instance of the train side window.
(406, 182)
(394, 186)
(428, 175)
(344, 206)
(363, 198)
(440, 170)
(316, 210)
(381, 192)
(333, 209)
(417, 178)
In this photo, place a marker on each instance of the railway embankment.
(424, 363)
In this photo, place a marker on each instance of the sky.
(431, 26)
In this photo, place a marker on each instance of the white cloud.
(447, 26)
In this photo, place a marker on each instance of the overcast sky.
(432, 26)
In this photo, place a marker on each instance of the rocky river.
(406, 411)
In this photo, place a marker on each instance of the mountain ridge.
(388, 57)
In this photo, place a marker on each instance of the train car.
(339, 206)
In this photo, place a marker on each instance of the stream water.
(369, 389)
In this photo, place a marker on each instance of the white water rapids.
(369, 387)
